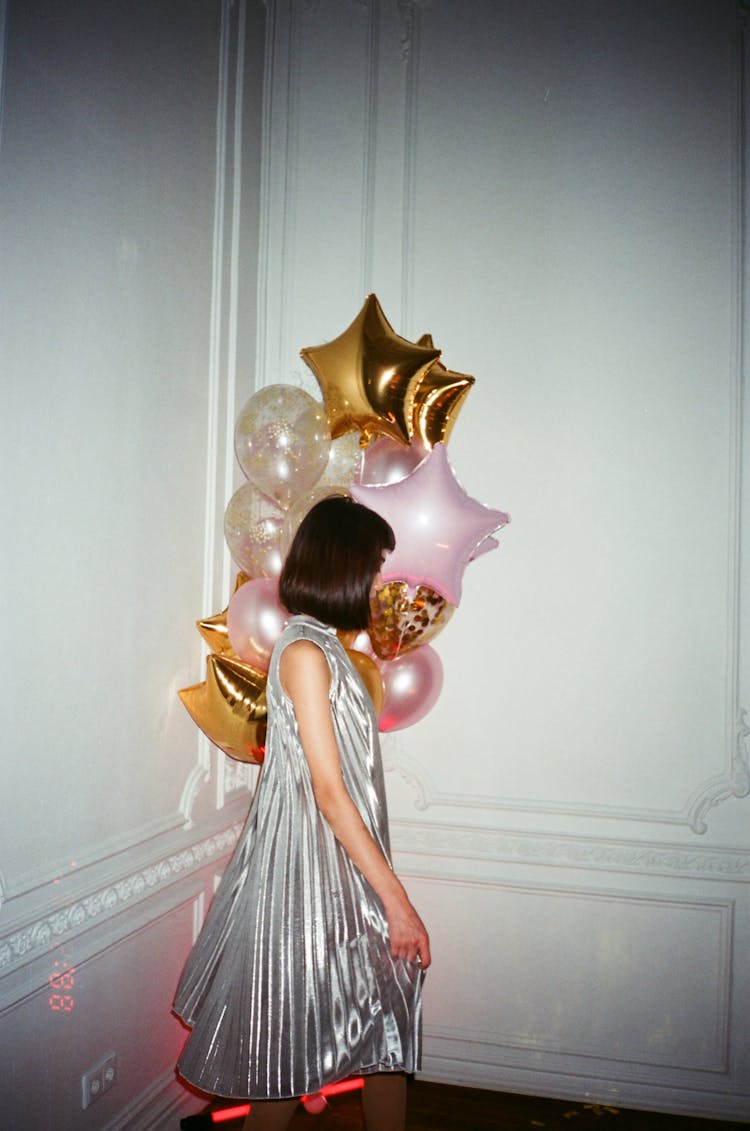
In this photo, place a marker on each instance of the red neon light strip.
(352, 1085)
(229, 1113)
(335, 1089)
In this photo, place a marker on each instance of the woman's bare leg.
(270, 1115)
(384, 1101)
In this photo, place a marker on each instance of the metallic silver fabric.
(291, 984)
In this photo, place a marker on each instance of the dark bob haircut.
(332, 561)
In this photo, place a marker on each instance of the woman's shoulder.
(302, 626)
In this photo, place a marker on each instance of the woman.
(309, 966)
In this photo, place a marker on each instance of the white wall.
(553, 191)
(129, 188)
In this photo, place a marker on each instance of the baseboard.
(664, 1098)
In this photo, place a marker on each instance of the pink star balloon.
(438, 526)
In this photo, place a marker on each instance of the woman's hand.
(406, 931)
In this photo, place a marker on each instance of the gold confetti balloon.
(402, 619)
(282, 442)
(253, 525)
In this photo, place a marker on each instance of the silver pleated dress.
(291, 984)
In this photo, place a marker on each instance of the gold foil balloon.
(282, 442)
(437, 401)
(230, 707)
(214, 629)
(370, 675)
(368, 376)
(402, 619)
(214, 632)
(253, 525)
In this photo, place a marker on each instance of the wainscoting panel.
(557, 196)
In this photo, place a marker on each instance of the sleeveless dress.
(291, 984)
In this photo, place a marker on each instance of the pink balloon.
(412, 685)
(484, 547)
(438, 526)
(387, 461)
(362, 643)
(255, 621)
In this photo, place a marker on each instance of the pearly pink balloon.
(484, 547)
(362, 643)
(255, 621)
(386, 461)
(438, 526)
(412, 684)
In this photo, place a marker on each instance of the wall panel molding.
(409, 11)
(446, 843)
(734, 782)
(64, 911)
(648, 1045)
(469, 1062)
(222, 365)
(369, 145)
(3, 37)
(727, 772)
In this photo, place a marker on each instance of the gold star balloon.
(214, 629)
(370, 676)
(368, 376)
(437, 401)
(230, 707)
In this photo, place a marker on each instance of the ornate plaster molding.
(37, 937)
(720, 787)
(736, 783)
(450, 841)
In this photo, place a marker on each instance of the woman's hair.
(332, 561)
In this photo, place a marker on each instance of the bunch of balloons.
(388, 409)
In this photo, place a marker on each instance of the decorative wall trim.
(123, 887)
(473, 1064)
(428, 796)
(733, 783)
(238, 775)
(458, 1060)
(715, 1061)
(409, 10)
(3, 38)
(222, 361)
(528, 1048)
(288, 233)
(441, 842)
(369, 147)
(65, 922)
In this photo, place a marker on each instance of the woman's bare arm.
(306, 678)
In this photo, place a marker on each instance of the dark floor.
(439, 1107)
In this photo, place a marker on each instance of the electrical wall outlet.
(99, 1079)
